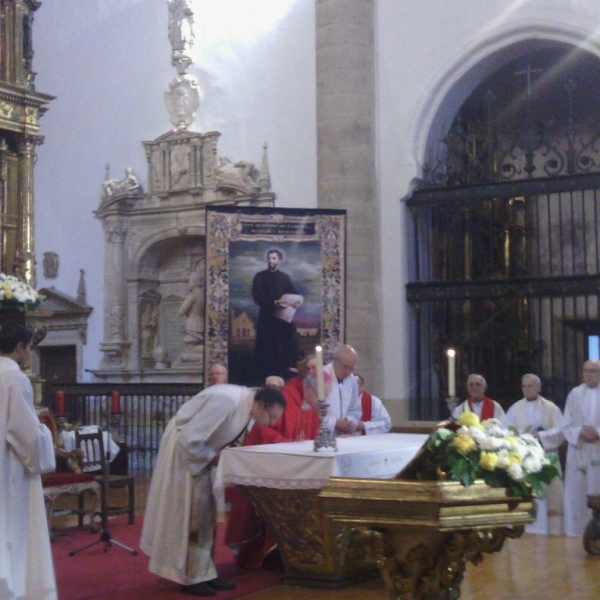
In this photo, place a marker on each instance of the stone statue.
(112, 187)
(148, 329)
(193, 309)
(181, 21)
(239, 173)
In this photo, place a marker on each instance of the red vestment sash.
(367, 406)
(487, 409)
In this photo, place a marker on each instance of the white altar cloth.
(295, 465)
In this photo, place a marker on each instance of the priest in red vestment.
(477, 402)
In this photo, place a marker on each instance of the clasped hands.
(589, 434)
(345, 425)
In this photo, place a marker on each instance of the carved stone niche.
(155, 249)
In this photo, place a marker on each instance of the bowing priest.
(180, 517)
(477, 402)
(246, 534)
(26, 451)
(542, 419)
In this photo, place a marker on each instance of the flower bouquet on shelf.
(467, 449)
(16, 298)
(18, 294)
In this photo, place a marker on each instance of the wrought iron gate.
(508, 274)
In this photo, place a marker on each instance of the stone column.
(346, 131)
(115, 344)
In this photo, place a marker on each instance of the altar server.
(581, 426)
(180, 518)
(26, 451)
(542, 419)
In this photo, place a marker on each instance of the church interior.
(455, 146)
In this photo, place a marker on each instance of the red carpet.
(118, 575)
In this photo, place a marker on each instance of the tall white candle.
(320, 380)
(451, 373)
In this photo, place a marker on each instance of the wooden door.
(58, 364)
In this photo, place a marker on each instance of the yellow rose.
(7, 291)
(488, 461)
(464, 444)
(468, 419)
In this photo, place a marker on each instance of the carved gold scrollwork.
(431, 566)
(296, 522)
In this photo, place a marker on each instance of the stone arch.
(474, 63)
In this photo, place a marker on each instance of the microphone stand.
(105, 536)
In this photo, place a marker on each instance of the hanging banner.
(275, 288)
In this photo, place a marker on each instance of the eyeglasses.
(591, 370)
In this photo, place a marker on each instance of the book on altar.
(286, 313)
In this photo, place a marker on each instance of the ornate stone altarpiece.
(154, 254)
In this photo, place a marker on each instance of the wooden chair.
(71, 482)
(94, 460)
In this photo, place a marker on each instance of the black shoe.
(199, 589)
(220, 584)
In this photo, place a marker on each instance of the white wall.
(108, 64)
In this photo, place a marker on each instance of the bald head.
(344, 361)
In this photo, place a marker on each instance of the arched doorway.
(506, 267)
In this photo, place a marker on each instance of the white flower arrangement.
(18, 294)
(470, 450)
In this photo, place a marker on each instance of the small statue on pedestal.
(192, 308)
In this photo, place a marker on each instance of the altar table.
(284, 482)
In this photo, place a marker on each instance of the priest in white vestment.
(180, 517)
(542, 419)
(344, 409)
(581, 427)
(26, 451)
